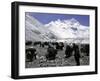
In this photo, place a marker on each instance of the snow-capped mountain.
(36, 31)
(55, 30)
(68, 29)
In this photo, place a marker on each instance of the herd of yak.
(54, 47)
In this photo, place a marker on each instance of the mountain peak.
(73, 20)
(68, 28)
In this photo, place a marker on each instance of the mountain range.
(58, 30)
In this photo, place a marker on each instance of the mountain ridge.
(54, 30)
